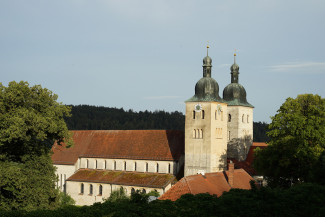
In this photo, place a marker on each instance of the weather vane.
(208, 48)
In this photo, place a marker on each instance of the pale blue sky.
(148, 54)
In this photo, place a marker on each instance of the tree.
(31, 120)
(297, 142)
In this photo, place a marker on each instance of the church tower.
(205, 126)
(240, 117)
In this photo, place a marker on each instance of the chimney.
(231, 168)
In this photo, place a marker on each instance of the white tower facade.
(205, 127)
(240, 117)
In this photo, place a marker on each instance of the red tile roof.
(122, 144)
(154, 180)
(247, 165)
(212, 183)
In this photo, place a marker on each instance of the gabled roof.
(121, 144)
(154, 180)
(247, 165)
(212, 183)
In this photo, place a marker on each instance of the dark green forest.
(87, 117)
(300, 200)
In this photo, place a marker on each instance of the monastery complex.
(218, 132)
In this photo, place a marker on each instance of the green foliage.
(85, 117)
(300, 200)
(259, 132)
(65, 200)
(117, 195)
(30, 120)
(297, 142)
(28, 185)
(153, 193)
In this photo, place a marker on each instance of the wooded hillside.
(87, 117)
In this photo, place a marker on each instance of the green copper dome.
(235, 94)
(206, 89)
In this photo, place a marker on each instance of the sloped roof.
(122, 144)
(247, 165)
(212, 183)
(154, 180)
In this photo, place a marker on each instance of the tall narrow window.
(87, 163)
(198, 133)
(124, 165)
(157, 168)
(203, 114)
(242, 118)
(132, 191)
(247, 118)
(114, 165)
(194, 133)
(221, 114)
(147, 167)
(168, 168)
(96, 164)
(229, 118)
(61, 182)
(216, 115)
(144, 191)
(105, 165)
(135, 166)
(193, 114)
(100, 190)
(81, 188)
(228, 135)
(90, 189)
(201, 134)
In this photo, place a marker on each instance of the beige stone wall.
(85, 198)
(63, 172)
(205, 138)
(171, 167)
(240, 131)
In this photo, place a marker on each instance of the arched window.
(242, 118)
(247, 118)
(198, 134)
(100, 190)
(157, 168)
(147, 167)
(203, 114)
(229, 118)
(90, 189)
(124, 165)
(114, 165)
(193, 114)
(144, 191)
(194, 133)
(82, 188)
(132, 191)
(169, 168)
(201, 134)
(135, 166)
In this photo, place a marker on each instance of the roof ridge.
(187, 184)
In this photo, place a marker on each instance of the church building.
(216, 129)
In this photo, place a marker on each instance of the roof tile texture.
(154, 180)
(122, 144)
(212, 183)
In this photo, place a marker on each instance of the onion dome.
(206, 89)
(234, 93)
